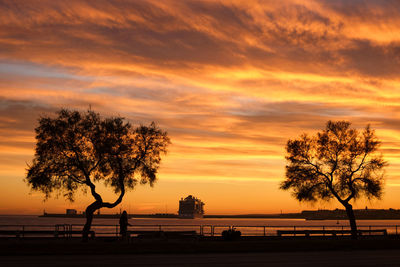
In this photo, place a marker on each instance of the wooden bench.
(179, 234)
(163, 234)
(92, 234)
(329, 232)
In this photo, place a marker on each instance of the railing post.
(370, 230)
(264, 231)
(159, 228)
(23, 231)
(116, 230)
(396, 229)
(294, 230)
(323, 230)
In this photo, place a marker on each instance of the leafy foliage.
(77, 149)
(339, 162)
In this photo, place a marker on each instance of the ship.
(191, 208)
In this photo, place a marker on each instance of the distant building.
(190, 208)
(71, 212)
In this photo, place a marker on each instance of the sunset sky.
(231, 82)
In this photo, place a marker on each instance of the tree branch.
(95, 166)
(116, 202)
(329, 181)
(317, 170)
(350, 182)
(359, 166)
(93, 190)
(121, 196)
(76, 179)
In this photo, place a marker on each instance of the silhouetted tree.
(76, 150)
(339, 162)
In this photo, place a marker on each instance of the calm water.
(35, 220)
(110, 226)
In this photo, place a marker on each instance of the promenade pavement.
(316, 258)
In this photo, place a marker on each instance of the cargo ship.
(191, 208)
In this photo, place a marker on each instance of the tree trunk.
(89, 218)
(352, 220)
(97, 205)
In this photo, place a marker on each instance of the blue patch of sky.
(161, 92)
(130, 92)
(39, 70)
(105, 90)
(255, 107)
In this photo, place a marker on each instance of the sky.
(230, 81)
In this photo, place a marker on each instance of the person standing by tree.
(339, 162)
(123, 224)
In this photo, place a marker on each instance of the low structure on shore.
(360, 214)
(71, 212)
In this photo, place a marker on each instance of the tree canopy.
(339, 162)
(76, 150)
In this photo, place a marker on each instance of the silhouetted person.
(123, 224)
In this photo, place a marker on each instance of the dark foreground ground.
(322, 258)
(250, 252)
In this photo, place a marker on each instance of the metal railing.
(69, 230)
